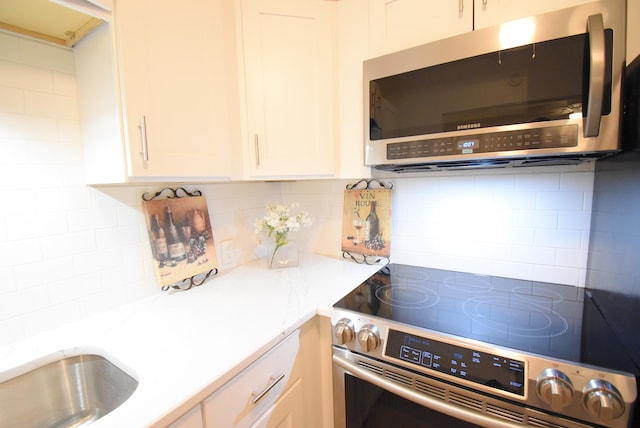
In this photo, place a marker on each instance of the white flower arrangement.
(280, 222)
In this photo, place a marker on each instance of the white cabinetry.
(288, 386)
(492, 12)
(167, 80)
(191, 419)
(272, 385)
(399, 24)
(288, 54)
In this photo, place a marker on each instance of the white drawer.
(272, 374)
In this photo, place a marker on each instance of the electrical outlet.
(227, 251)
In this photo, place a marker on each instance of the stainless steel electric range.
(420, 347)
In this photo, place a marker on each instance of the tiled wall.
(527, 224)
(68, 251)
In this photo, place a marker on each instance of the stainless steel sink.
(70, 391)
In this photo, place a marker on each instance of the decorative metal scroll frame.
(181, 192)
(366, 184)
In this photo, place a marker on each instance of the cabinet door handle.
(143, 137)
(460, 6)
(256, 144)
(272, 383)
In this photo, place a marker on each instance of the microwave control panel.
(529, 139)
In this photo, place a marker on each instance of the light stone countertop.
(182, 346)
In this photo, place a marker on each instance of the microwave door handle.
(595, 28)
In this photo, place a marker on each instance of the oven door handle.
(423, 400)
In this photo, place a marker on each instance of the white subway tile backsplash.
(11, 100)
(64, 84)
(36, 225)
(537, 182)
(9, 47)
(558, 238)
(11, 329)
(534, 255)
(68, 244)
(93, 218)
(44, 55)
(69, 130)
(556, 274)
(23, 302)
(117, 237)
(74, 288)
(13, 151)
(547, 219)
(43, 104)
(571, 258)
(560, 200)
(62, 199)
(12, 253)
(50, 317)
(574, 220)
(17, 126)
(30, 176)
(54, 152)
(24, 77)
(30, 274)
(97, 261)
(7, 282)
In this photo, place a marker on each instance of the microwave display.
(533, 83)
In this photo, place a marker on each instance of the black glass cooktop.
(557, 321)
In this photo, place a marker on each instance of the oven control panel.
(489, 369)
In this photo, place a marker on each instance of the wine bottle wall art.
(181, 237)
(366, 222)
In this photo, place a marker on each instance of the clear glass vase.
(283, 256)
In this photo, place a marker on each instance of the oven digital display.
(483, 368)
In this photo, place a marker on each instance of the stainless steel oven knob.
(369, 337)
(603, 400)
(344, 331)
(555, 388)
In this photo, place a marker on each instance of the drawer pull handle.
(272, 383)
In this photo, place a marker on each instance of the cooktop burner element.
(515, 317)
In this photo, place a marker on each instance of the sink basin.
(63, 391)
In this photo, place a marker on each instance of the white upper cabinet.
(288, 54)
(169, 84)
(493, 12)
(399, 24)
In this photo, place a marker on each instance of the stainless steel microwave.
(543, 90)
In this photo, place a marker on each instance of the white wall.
(68, 251)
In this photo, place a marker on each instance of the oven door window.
(368, 406)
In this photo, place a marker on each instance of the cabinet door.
(493, 12)
(254, 391)
(289, 75)
(399, 24)
(287, 412)
(191, 419)
(174, 80)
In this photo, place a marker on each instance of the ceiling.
(45, 20)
